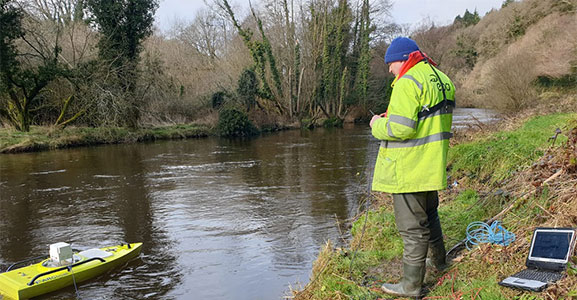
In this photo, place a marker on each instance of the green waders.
(419, 225)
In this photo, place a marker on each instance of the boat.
(52, 273)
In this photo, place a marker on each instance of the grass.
(481, 167)
(45, 138)
(502, 154)
(467, 207)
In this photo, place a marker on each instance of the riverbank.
(49, 138)
(519, 174)
(41, 138)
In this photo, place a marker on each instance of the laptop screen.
(551, 245)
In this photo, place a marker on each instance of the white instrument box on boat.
(60, 252)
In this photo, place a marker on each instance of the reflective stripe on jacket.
(413, 153)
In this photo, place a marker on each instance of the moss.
(46, 138)
(333, 122)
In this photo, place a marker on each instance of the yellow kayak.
(45, 277)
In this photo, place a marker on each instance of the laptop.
(547, 260)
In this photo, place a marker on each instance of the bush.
(333, 122)
(218, 99)
(232, 122)
(511, 86)
(247, 88)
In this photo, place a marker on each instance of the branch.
(78, 114)
(64, 109)
(524, 197)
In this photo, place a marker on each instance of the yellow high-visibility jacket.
(415, 139)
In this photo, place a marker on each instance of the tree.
(465, 48)
(10, 30)
(506, 3)
(124, 24)
(262, 56)
(62, 11)
(204, 34)
(361, 83)
(335, 37)
(247, 88)
(468, 19)
(23, 77)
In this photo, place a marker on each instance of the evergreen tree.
(124, 24)
(468, 19)
(506, 3)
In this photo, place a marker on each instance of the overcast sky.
(441, 12)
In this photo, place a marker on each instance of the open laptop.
(547, 260)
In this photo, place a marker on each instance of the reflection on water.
(219, 218)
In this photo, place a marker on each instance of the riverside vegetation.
(285, 64)
(102, 64)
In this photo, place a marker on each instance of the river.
(219, 218)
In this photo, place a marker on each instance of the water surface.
(219, 218)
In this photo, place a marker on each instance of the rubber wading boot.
(411, 283)
(438, 258)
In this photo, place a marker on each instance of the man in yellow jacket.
(412, 159)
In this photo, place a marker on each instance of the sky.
(442, 12)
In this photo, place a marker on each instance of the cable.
(481, 232)
(73, 278)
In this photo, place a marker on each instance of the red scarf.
(414, 58)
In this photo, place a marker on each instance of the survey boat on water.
(63, 268)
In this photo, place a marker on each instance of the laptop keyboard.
(542, 276)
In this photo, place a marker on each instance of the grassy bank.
(45, 138)
(488, 173)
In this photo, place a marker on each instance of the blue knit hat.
(399, 49)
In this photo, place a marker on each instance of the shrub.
(511, 86)
(465, 48)
(232, 122)
(247, 88)
(333, 122)
(218, 99)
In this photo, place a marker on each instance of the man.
(412, 159)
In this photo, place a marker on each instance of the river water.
(219, 218)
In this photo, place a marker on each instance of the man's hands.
(375, 117)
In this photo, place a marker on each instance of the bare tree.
(207, 33)
(64, 11)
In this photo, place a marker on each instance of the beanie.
(399, 49)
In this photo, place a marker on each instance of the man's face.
(395, 67)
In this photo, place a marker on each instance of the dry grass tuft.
(320, 265)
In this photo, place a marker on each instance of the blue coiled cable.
(481, 232)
